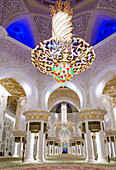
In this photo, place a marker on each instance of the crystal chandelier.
(64, 134)
(64, 125)
(63, 55)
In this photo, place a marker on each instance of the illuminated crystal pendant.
(63, 55)
(64, 134)
(62, 72)
(64, 129)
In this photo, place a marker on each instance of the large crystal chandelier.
(63, 125)
(63, 55)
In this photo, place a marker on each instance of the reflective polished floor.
(64, 162)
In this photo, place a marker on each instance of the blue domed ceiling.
(107, 29)
(103, 28)
(21, 31)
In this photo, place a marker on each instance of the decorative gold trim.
(66, 124)
(42, 111)
(109, 90)
(19, 133)
(57, 141)
(110, 132)
(13, 87)
(61, 6)
(78, 138)
(92, 110)
(71, 141)
(51, 138)
(92, 114)
(36, 114)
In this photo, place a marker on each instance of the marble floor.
(64, 167)
(53, 163)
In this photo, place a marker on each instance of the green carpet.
(16, 162)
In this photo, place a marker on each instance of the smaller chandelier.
(64, 134)
(63, 55)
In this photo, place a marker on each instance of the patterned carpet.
(65, 167)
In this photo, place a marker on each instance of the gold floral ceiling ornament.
(13, 87)
(63, 55)
(110, 90)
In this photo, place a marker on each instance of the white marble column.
(94, 145)
(51, 150)
(20, 147)
(76, 148)
(41, 145)
(3, 94)
(56, 150)
(68, 148)
(109, 148)
(89, 145)
(113, 149)
(20, 106)
(71, 149)
(115, 144)
(36, 146)
(84, 150)
(101, 147)
(81, 149)
(29, 146)
(106, 148)
(48, 148)
(53, 147)
(59, 148)
(15, 150)
(45, 148)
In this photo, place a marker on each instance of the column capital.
(19, 133)
(92, 114)
(51, 138)
(77, 138)
(110, 132)
(37, 115)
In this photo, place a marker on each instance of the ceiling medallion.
(63, 55)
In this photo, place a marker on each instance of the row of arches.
(32, 93)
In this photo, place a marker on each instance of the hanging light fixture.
(63, 55)
(64, 134)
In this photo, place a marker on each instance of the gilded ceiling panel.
(110, 89)
(13, 87)
(65, 93)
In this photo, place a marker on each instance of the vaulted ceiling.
(89, 17)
